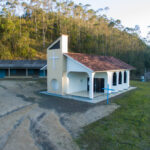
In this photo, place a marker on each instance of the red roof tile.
(100, 63)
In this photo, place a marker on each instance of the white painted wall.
(81, 73)
(74, 66)
(64, 43)
(118, 87)
(57, 73)
(77, 81)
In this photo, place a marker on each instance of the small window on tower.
(55, 46)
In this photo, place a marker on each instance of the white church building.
(83, 75)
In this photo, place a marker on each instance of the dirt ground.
(32, 121)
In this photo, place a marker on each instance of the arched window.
(114, 78)
(125, 77)
(120, 77)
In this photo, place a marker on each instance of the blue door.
(31, 72)
(13, 72)
(2, 73)
(42, 73)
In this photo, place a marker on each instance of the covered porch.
(97, 99)
(86, 85)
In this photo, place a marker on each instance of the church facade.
(83, 75)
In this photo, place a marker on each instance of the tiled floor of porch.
(97, 98)
(86, 94)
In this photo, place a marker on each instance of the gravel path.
(32, 121)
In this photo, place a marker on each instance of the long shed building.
(26, 68)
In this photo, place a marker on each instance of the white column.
(117, 84)
(128, 78)
(117, 78)
(122, 77)
(109, 80)
(122, 85)
(91, 85)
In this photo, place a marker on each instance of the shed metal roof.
(22, 64)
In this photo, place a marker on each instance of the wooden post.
(26, 72)
(8, 72)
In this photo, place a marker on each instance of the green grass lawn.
(128, 128)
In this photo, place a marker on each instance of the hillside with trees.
(26, 36)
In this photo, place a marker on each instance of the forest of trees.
(27, 35)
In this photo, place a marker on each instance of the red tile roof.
(100, 63)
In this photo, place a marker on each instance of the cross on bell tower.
(53, 59)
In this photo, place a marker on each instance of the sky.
(130, 12)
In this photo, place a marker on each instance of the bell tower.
(56, 66)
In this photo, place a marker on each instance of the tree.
(27, 36)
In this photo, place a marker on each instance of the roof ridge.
(88, 54)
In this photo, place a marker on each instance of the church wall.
(64, 75)
(56, 76)
(54, 73)
(118, 87)
(72, 65)
(77, 82)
